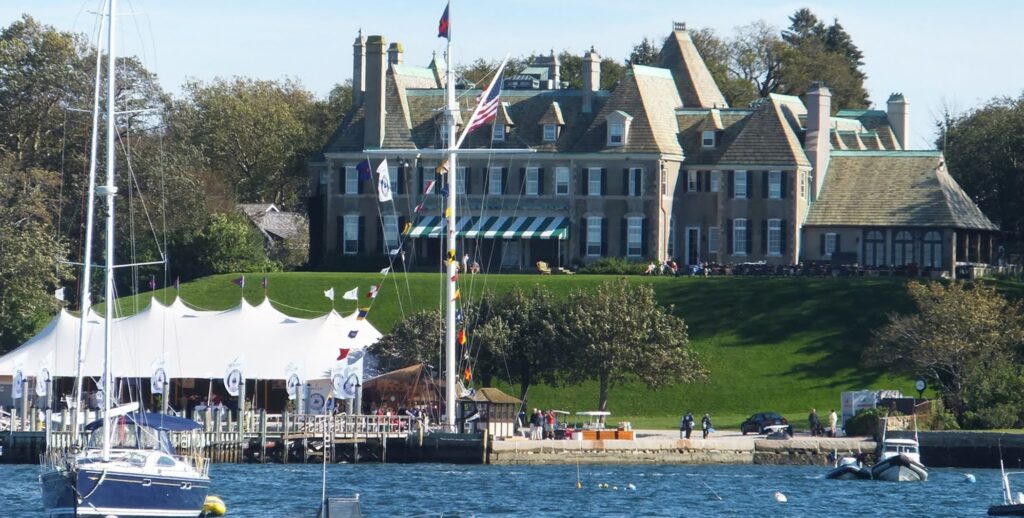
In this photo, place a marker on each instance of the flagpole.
(452, 166)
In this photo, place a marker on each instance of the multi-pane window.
(390, 232)
(775, 237)
(707, 139)
(561, 181)
(931, 252)
(775, 184)
(670, 245)
(634, 236)
(831, 243)
(593, 237)
(498, 132)
(903, 248)
(716, 181)
(874, 248)
(593, 181)
(692, 183)
(460, 180)
(616, 132)
(393, 178)
(350, 234)
(532, 181)
(444, 136)
(712, 240)
(550, 132)
(635, 182)
(739, 184)
(804, 182)
(428, 176)
(494, 181)
(739, 236)
(351, 180)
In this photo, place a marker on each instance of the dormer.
(502, 124)
(712, 129)
(551, 122)
(618, 128)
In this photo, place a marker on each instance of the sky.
(938, 53)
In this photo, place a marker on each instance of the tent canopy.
(412, 384)
(259, 340)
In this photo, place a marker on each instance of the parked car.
(759, 421)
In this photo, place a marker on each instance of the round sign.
(349, 386)
(920, 385)
(316, 402)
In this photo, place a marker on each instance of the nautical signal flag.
(442, 169)
(457, 295)
(342, 353)
(447, 212)
(455, 277)
(177, 283)
(408, 224)
(361, 313)
(442, 25)
(152, 282)
(353, 333)
(329, 294)
(387, 269)
(240, 282)
(352, 294)
(462, 337)
(451, 255)
(467, 374)
(374, 290)
(364, 170)
(264, 283)
(430, 185)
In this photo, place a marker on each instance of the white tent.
(260, 340)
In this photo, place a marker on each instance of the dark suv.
(757, 422)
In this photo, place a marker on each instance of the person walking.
(832, 420)
(705, 425)
(814, 422)
(688, 422)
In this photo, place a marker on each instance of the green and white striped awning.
(496, 227)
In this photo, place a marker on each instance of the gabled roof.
(492, 395)
(693, 122)
(693, 80)
(893, 189)
(552, 115)
(770, 137)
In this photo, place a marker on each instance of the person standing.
(682, 426)
(688, 421)
(549, 425)
(832, 420)
(705, 424)
(814, 422)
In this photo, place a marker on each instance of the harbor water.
(286, 491)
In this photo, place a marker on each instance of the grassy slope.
(769, 344)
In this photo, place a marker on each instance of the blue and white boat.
(128, 468)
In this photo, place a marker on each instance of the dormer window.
(707, 139)
(550, 132)
(616, 132)
(498, 133)
(618, 128)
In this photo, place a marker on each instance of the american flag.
(489, 103)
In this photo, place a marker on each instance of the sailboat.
(128, 467)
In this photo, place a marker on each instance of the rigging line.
(296, 308)
(60, 195)
(391, 258)
(142, 200)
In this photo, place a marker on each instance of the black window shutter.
(730, 179)
(584, 177)
(540, 181)
(782, 184)
(522, 180)
(361, 236)
(728, 237)
(643, 237)
(707, 181)
(750, 188)
(604, 181)
(399, 188)
(341, 181)
(583, 237)
(625, 181)
(839, 246)
(623, 223)
(604, 236)
(686, 181)
(783, 241)
(359, 183)
(750, 237)
(380, 235)
(764, 184)
(340, 221)
(822, 245)
(419, 185)
(764, 236)
(639, 181)
(466, 180)
(504, 180)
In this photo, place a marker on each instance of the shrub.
(614, 266)
(865, 422)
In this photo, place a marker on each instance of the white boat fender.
(969, 478)
(779, 497)
(631, 487)
(615, 488)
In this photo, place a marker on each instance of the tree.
(227, 243)
(718, 54)
(815, 52)
(418, 338)
(957, 333)
(984, 151)
(647, 52)
(618, 332)
(521, 332)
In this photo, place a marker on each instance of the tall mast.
(86, 297)
(453, 260)
(109, 191)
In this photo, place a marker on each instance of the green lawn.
(769, 343)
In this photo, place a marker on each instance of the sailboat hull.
(110, 493)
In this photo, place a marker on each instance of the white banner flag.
(329, 294)
(233, 379)
(43, 379)
(383, 181)
(293, 383)
(352, 294)
(158, 380)
(59, 294)
(17, 389)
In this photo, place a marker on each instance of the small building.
(489, 409)
(285, 234)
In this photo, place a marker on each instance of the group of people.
(686, 425)
(542, 424)
(815, 423)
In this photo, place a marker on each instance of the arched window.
(874, 248)
(931, 252)
(903, 248)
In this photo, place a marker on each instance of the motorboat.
(848, 468)
(1013, 505)
(900, 461)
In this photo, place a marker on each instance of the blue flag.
(364, 170)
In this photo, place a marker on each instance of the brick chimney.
(898, 112)
(376, 69)
(358, 69)
(817, 144)
(395, 53)
(591, 78)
